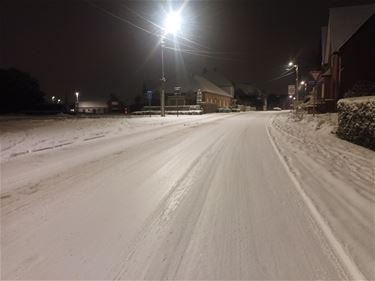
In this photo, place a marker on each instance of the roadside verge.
(335, 180)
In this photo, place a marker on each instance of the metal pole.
(162, 97)
(314, 101)
(297, 95)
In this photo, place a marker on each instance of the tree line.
(19, 91)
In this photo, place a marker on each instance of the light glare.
(172, 23)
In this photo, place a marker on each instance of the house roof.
(249, 90)
(344, 22)
(217, 78)
(93, 104)
(324, 31)
(192, 83)
(207, 86)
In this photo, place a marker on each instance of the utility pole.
(297, 84)
(163, 80)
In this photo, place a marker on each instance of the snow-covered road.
(193, 200)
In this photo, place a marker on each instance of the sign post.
(316, 75)
(291, 94)
(149, 98)
(176, 93)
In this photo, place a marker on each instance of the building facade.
(348, 51)
(198, 90)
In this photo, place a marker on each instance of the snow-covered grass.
(21, 136)
(338, 176)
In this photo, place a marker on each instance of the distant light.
(53, 98)
(58, 101)
(294, 98)
(303, 82)
(290, 64)
(77, 94)
(290, 97)
(172, 23)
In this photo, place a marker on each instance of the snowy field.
(190, 197)
(26, 135)
(338, 176)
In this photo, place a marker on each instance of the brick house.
(199, 90)
(348, 51)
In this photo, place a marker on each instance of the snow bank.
(337, 176)
(356, 120)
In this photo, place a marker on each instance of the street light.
(76, 108)
(171, 25)
(295, 66)
(53, 99)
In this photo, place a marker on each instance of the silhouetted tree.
(18, 91)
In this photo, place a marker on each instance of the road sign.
(149, 96)
(177, 90)
(315, 74)
(312, 83)
(291, 90)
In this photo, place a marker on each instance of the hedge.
(356, 120)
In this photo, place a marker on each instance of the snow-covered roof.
(249, 89)
(207, 86)
(344, 22)
(192, 83)
(93, 104)
(217, 78)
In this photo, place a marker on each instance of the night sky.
(94, 46)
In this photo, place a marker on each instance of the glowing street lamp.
(53, 99)
(295, 66)
(172, 25)
(77, 95)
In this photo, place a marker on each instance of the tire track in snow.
(155, 230)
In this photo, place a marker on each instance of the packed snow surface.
(194, 197)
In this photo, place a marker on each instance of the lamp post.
(163, 79)
(304, 87)
(172, 25)
(295, 66)
(77, 101)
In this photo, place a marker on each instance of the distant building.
(219, 80)
(115, 105)
(348, 50)
(92, 107)
(198, 90)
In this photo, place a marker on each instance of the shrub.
(356, 120)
